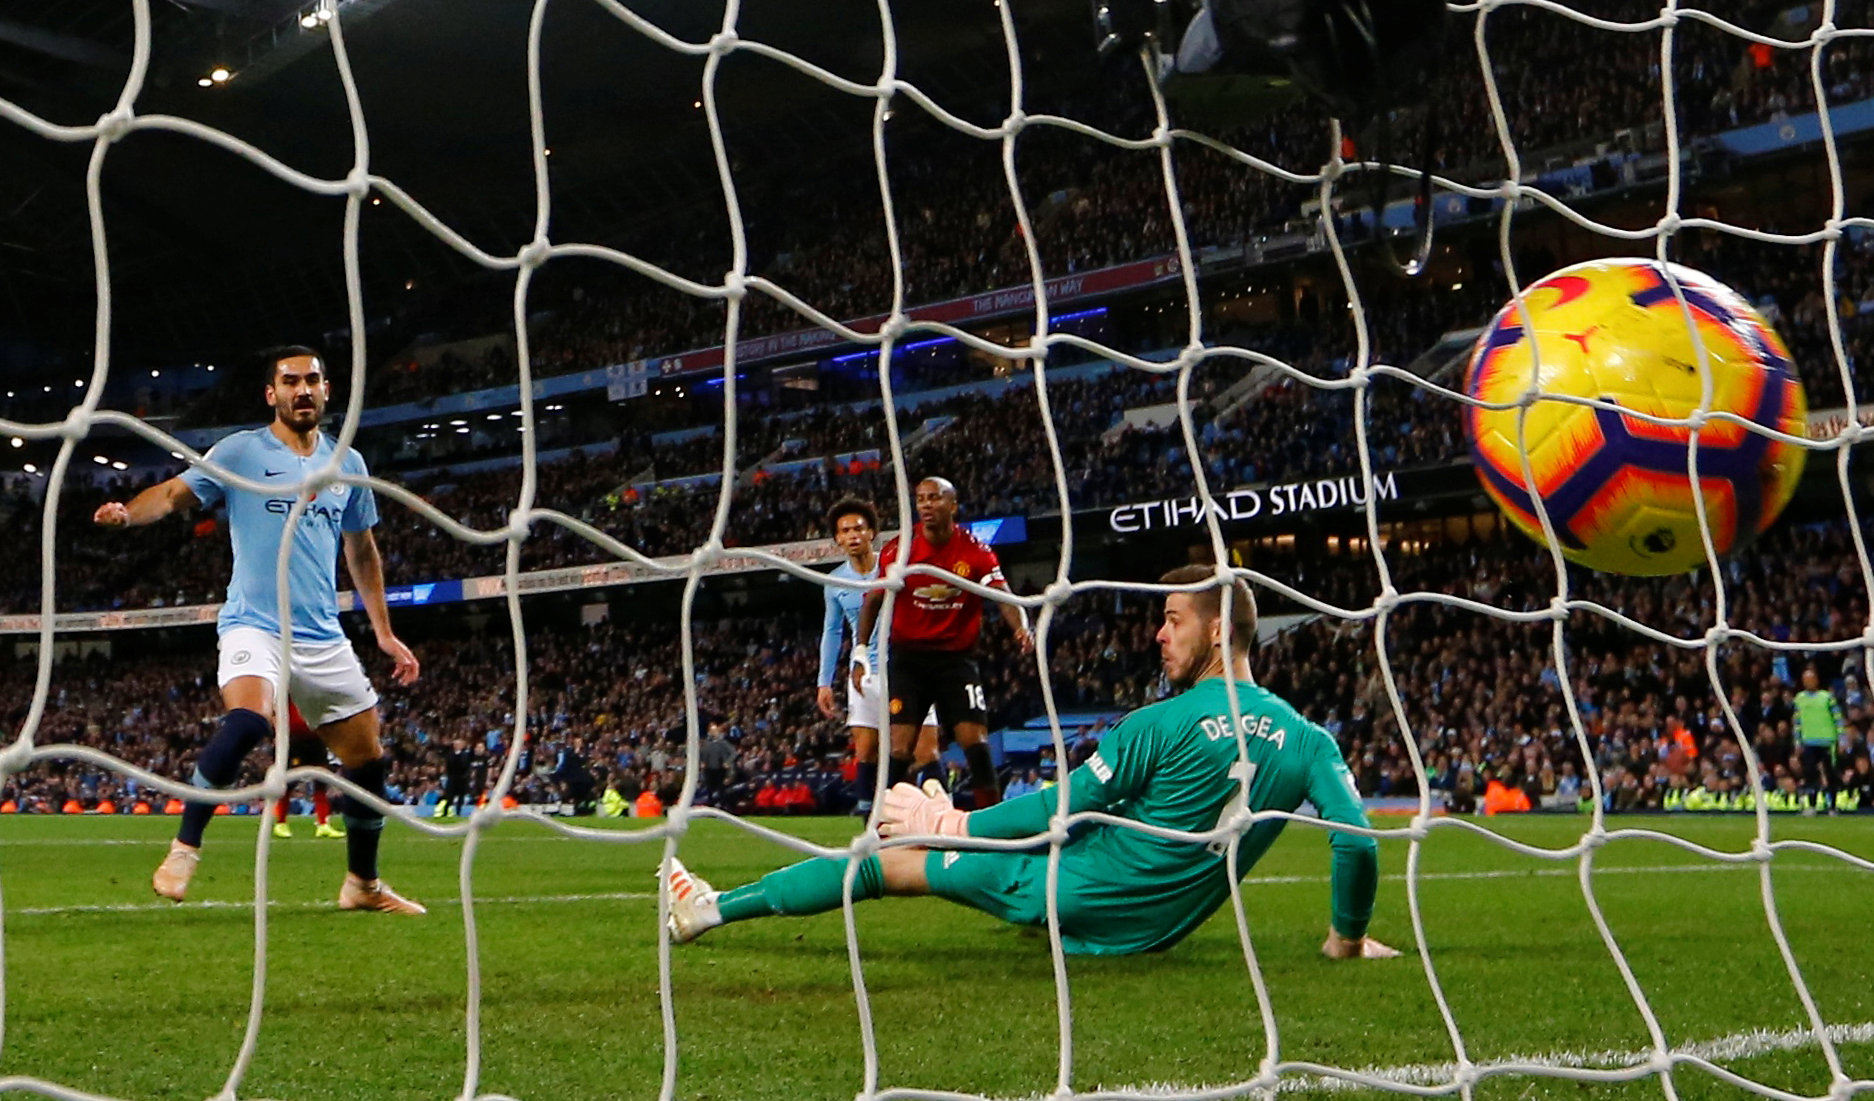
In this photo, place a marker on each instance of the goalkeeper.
(1174, 765)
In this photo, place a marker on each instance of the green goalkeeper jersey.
(1175, 764)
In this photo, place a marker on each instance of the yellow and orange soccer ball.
(1617, 487)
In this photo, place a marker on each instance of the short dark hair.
(1210, 602)
(270, 358)
(851, 506)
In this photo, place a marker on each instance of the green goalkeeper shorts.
(1007, 885)
(1108, 913)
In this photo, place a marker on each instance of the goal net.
(1522, 75)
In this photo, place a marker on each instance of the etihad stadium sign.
(1267, 502)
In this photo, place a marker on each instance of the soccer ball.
(1617, 488)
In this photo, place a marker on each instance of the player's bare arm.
(147, 507)
(367, 573)
(1017, 619)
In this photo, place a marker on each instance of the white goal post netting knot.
(1662, 1060)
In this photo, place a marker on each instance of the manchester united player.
(934, 628)
(303, 748)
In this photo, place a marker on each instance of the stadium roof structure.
(208, 252)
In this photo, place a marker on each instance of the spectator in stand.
(1029, 783)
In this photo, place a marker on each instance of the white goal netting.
(1668, 1059)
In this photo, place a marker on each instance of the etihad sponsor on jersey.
(331, 509)
(1316, 494)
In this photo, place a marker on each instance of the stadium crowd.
(1094, 205)
(1481, 696)
(990, 442)
(606, 712)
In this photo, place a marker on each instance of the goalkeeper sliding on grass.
(1173, 765)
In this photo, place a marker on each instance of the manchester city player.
(1175, 764)
(854, 524)
(324, 677)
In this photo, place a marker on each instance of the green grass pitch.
(108, 992)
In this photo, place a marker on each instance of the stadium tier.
(655, 491)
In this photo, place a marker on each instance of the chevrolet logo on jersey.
(937, 593)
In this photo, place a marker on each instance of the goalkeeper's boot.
(358, 894)
(693, 909)
(328, 829)
(281, 829)
(173, 874)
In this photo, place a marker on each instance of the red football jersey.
(931, 613)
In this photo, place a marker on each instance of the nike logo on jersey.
(275, 473)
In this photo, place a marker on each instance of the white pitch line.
(635, 896)
(1724, 1049)
(278, 904)
(1568, 872)
(54, 842)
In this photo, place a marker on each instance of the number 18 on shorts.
(949, 682)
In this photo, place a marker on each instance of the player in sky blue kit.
(324, 677)
(854, 524)
(1176, 764)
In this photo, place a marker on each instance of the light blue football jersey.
(256, 522)
(843, 604)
